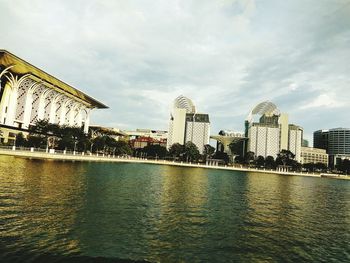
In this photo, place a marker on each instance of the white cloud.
(324, 101)
(137, 56)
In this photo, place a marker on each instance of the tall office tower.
(336, 142)
(188, 125)
(321, 139)
(338, 145)
(272, 133)
(295, 140)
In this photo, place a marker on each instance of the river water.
(72, 211)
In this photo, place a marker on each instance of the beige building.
(313, 155)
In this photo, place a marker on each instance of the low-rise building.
(313, 155)
(154, 134)
(142, 142)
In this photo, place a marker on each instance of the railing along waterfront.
(48, 152)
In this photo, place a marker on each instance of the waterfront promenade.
(78, 156)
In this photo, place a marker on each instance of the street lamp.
(47, 145)
(91, 148)
(75, 145)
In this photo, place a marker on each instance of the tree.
(20, 140)
(260, 161)
(321, 167)
(249, 157)
(99, 143)
(270, 162)
(191, 152)
(122, 148)
(36, 141)
(344, 166)
(176, 150)
(208, 151)
(222, 156)
(237, 147)
(155, 150)
(239, 159)
(285, 157)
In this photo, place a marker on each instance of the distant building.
(97, 131)
(188, 125)
(142, 142)
(336, 142)
(295, 137)
(305, 143)
(313, 155)
(321, 139)
(272, 133)
(154, 134)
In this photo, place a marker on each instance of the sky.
(226, 55)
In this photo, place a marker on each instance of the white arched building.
(28, 94)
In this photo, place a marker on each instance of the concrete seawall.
(95, 158)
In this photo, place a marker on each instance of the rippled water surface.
(66, 211)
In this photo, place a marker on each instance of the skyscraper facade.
(188, 125)
(272, 133)
(321, 139)
(336, 142)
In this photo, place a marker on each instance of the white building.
(154, 134)
(295, 139)
(29, 94)
(188, 125)
(272, 133)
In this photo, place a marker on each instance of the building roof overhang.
(22, 67)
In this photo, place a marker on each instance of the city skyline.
(227, 56)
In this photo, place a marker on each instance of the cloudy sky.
(226, 55)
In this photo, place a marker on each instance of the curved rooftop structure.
(182, 102)
(264, 108)
(22, 67)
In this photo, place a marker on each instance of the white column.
(41, 107)
(74, 108)
(11, 109)
(79, 118)
(27, 109)
(63, 113)
(52, 111)
(87, 121)
(5, 102)
(71, 115)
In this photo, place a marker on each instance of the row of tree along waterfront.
(47, 135)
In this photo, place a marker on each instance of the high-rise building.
(272, 133)
(188, 125)
(336, 142)
(321, 139)
(295, 138)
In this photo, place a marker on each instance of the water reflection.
(39, 204)
(170, 214)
